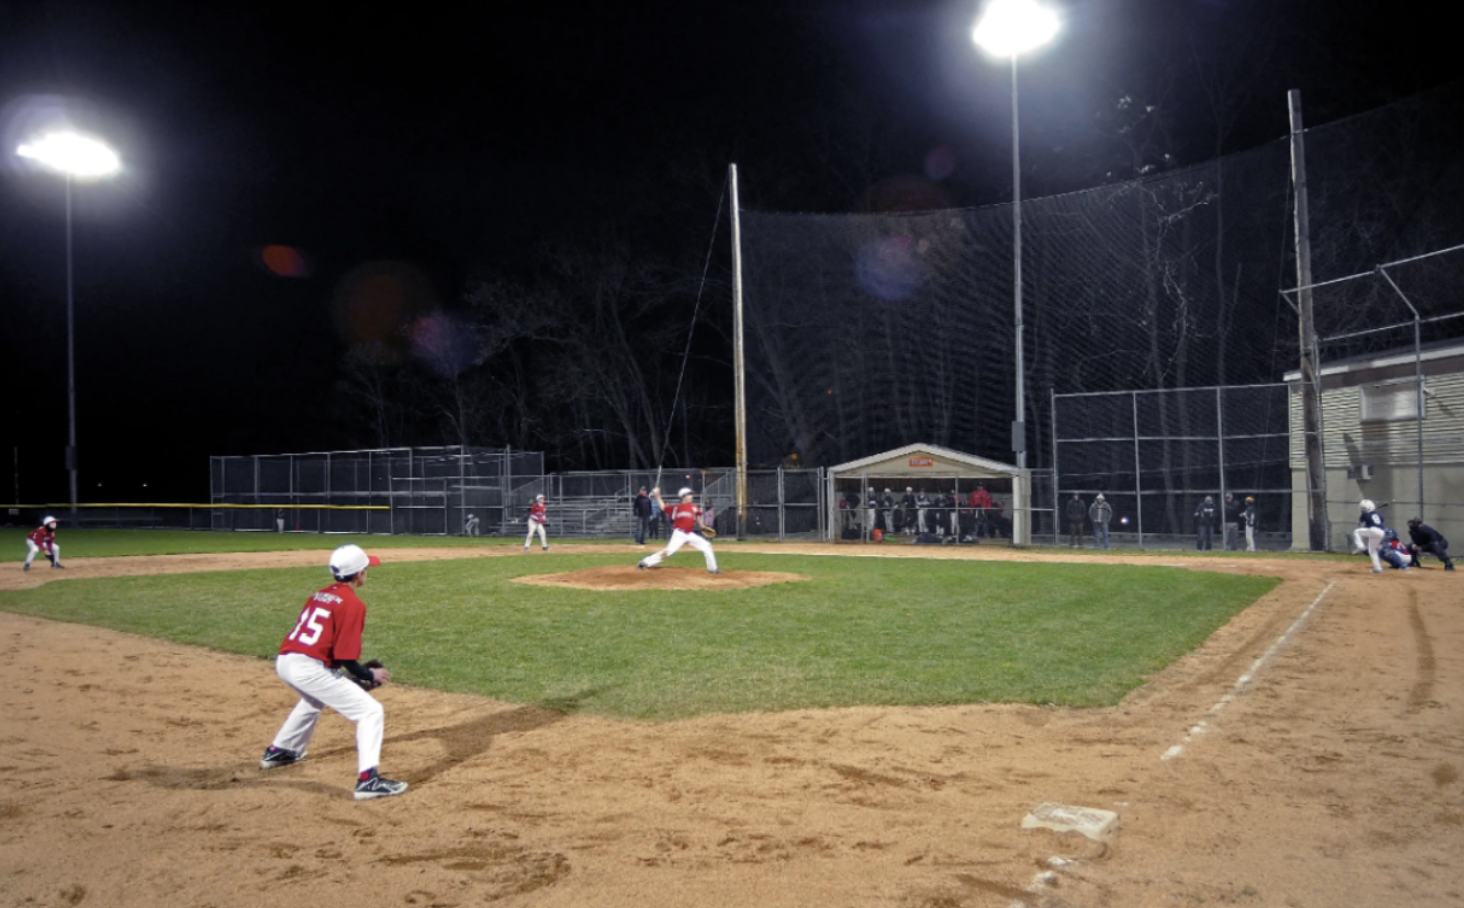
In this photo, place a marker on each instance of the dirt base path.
(1329, 776)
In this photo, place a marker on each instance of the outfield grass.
(863, 631)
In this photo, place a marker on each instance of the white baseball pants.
(535, 525)
(320, 687)
(1369, 539)
(678, 539)
(33, 549)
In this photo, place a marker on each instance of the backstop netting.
(867, 332)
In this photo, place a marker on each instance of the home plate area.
(660, 578)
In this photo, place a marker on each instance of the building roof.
(942, 462)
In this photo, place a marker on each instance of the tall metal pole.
(1311, 379)
(1019, 425)
(737, 366)
(70, 355)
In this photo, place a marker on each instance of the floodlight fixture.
(1010, 28)
(79, 157)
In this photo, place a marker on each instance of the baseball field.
(813, 726)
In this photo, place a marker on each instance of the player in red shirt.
(43, 539)
(538, 519)
(315, 658)
(686, 517)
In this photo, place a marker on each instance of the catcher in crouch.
(686, 517)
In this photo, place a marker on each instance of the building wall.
(1378, 458)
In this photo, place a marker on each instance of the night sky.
(447, 140)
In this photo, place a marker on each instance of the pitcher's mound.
(660, 578)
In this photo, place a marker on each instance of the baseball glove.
(366, 685)
(708, 533)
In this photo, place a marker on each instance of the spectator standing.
(641, 509)
(1430, 540)
(1251, 518)
(1100, 513)
(1205, 516)
(1075, 513)
(1234, 514)
(981, 500)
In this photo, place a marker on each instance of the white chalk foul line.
(1203, 725)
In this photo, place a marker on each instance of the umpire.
(1430, 540)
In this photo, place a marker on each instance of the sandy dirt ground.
(1314, 749)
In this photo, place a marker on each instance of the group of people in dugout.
(934, 516)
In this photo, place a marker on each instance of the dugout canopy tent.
(937, 470)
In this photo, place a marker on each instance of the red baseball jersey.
(330, 626)
(45, 537)
(539, 512)
(683, 516)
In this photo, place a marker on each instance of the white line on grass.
(1240, 684)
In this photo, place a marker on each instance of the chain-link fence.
(422, 491)
(781, 503)
(1391, 393)
(1156, 455)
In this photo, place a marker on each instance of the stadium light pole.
(1010, 28)
(78, 158)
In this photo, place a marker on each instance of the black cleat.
(377, 787)
(275, 757)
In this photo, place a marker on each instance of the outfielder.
(538, 519)
(320, 660)
(686, 517)
(43, 539)
(1370, 535)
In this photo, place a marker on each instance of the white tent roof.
(914, 461)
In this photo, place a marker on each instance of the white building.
(1376, 446)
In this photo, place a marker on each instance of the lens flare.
(445, 344)
(376, 307)
(890, 268)
(284, 261)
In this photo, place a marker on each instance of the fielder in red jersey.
(315, 659)
(43, 539)
(538, 519)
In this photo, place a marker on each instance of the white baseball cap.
(349, 560)
(684, 492)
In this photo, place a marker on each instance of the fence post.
(782, 527)
(1138, 466)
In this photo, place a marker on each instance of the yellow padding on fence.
(237, 507)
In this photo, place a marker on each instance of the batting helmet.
(1367, 505)
(684, 492)
(45, 522)
(539, 497)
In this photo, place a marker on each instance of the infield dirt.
(1332, 778)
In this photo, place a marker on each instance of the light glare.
(75, 155)
(1009, 28)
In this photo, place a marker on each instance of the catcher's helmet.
(684, 492)
(1367, 505)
